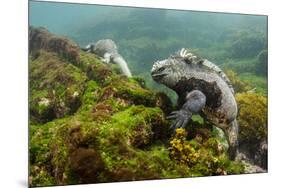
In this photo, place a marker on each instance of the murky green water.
(233, 41)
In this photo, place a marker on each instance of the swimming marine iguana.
(203, 89)
(107, 50)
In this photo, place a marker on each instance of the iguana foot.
(181, 119)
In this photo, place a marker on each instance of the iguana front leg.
(106, 58)
(195, 101)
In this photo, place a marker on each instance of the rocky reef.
(89, 123)
(253, 127)
(252, 119)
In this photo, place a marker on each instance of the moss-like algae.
(56, 87)
(203, 158)
(252, 118)
(90, 124)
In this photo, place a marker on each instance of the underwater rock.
(252, 119)
(42, 39)
(249, 166)
(90, 124)
(84, 150)
(94, 116)
(203, 154)
(56, 87)
(238, 85)
(164, 102)
(87, 164)
(100, 73)
(261, 155)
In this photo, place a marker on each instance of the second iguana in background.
(203, 89)
(107, 50)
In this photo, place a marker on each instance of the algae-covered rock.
(252, 119)
(202, 153)
(56, 87)
(92, 151)
(90, 124)
(238, 84)
(42, 39)
(95, 69)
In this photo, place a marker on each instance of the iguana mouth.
(158, 76)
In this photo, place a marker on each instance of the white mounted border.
(14, 92)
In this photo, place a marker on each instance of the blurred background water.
(236, 42)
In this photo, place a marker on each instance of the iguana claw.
(181, 117)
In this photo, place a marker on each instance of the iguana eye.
(161, 69)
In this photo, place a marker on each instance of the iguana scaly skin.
(107, 50)
(203, 89)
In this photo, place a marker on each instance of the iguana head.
(171, 70)
(167, 71)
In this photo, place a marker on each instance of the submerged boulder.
(91, 124)
(252, 119)
(42, 39)
(56, 87)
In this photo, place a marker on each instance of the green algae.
(114, 130)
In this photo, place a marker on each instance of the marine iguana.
(203, 89)
(107, 50)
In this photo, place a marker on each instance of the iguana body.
(107, 50)
(202, 88)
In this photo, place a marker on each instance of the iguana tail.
(232, 136)
(123, 64)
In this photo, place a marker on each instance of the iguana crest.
(190, 58)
